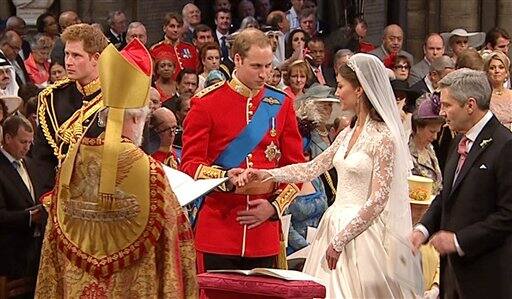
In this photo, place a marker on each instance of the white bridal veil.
(373, 78)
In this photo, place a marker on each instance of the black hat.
(399, 85)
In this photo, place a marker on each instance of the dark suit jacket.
(19, 249)
(478, 209)
(66, 100)
(420, 86)
(25, 48)
(328, 74)
(19, 60)
(119, 43)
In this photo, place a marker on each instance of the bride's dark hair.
(348, 74)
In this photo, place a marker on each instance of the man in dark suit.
(21, 218)
(317, 50)
(10, 46)
(117, 26)
(470, 222)
(223, 26)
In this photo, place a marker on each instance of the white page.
(300, 254)
(186, 188)
(311, 234)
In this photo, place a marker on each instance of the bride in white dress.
(361, 248)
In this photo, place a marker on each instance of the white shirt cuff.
(457, 246)
(422, 229)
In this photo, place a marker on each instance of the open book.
(277, 273)
(186, 188)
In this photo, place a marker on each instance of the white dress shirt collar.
(473, 133)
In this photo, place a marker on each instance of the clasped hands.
(259, 209)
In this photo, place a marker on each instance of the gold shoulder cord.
(62, 133)
(43, 108)
(330, 182)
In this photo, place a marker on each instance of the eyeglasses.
(402, 67)
(171, 130)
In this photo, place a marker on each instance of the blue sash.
(253, 133)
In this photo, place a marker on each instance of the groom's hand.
(260, 210)
(444, 242)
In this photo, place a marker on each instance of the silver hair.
(467, 83)
(40, 41)
(128, 113)
(248, 21)
(185, 9)
(135, 25)
(342, 53)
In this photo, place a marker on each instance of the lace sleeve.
(305, 172)
(383, 163)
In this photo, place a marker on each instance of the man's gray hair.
(135, 25)
(128, 113)
(342, 53)
(467, 83)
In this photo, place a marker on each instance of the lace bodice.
(364, 175)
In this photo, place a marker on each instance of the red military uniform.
(167, 158)
(218, 114)
(184, 55)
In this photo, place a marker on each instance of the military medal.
(273, 131)
(272, 152)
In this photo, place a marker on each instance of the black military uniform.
(66, 110)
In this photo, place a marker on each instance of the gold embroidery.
(285, 198)
(208, 89)
(209, 172)
(72, 129)
(90, 87)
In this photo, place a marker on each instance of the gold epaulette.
(49, 89)
(285, 198)
(43, 106)
(274, 88)
(208, 89)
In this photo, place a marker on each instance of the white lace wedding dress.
(356, 221)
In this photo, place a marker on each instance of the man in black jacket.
(68, 108)
(470, 222)
(21, 218)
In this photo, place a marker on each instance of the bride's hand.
(252, 175)
(332, 256)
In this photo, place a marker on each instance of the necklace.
(498, 92)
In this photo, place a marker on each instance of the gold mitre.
(125, 81)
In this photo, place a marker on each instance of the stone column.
(460, 13)
(416, 30)
(504, 14)
(68, 5)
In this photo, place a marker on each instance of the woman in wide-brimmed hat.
(459, 40)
